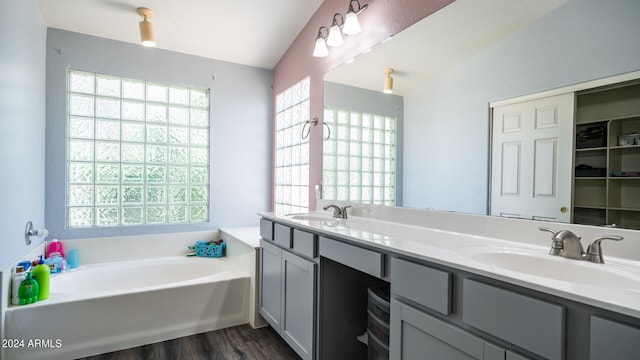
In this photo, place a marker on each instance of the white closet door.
(531, 160)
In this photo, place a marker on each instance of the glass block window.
(137, 152)
(358, 159)
(292, 149)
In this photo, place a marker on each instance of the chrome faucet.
(567, 244)
(338, 212)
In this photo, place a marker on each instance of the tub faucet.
(338, 212)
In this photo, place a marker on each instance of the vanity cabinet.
(314, 293)
(288, 283)
(439, 313)
(490, 319)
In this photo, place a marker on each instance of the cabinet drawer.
(367, 261)
(422, 284)
(534, 325)
(282, 235)
(266, 229)
(613, 340)
(305, 243)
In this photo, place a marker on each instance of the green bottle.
(41, 273)
(28, 292)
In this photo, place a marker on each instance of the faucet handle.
(547, 230)
(594, 251)
(344, 211)
(556, 244)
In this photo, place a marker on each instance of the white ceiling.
(249, 32)
(439, 42)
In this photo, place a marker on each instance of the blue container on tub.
(210, 249)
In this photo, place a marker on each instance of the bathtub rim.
(231, 271)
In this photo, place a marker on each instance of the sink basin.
(557, 268)
(311, 217)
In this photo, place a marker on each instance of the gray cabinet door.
(416, 335)
(270, 283)
(613, 340)
(532, 324)
(298, 306)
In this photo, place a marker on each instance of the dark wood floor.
(235, 343)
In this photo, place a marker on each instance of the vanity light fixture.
(321, 50)
(351, 23)
(335, 33)
(388, 81)
(341, 25)
(147, 36)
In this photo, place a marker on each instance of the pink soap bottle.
(55, 249)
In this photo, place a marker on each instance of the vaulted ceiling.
(259, 32)
(249, 32)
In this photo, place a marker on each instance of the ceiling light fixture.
(335, 34)
(320, 50)
(351, 23)
(388, 81)
(147, 37)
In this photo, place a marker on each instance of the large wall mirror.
(447, 69)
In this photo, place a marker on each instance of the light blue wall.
(22, 124)
(373, 102)
(241, 113)
(446, 146)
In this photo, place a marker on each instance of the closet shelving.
(606, 184)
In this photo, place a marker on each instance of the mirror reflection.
(447, 69)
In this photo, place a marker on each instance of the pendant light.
(388, 81)
(147, 36)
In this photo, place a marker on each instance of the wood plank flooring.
(234, 343)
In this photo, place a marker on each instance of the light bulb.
(320, 49)
(388, 81)
(335, 36)
(351, 24)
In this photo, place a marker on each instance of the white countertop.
(249, 235)
(456, 249)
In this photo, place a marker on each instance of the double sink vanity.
(461, 286)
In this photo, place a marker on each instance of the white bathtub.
(138, 275)
(117, 305)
